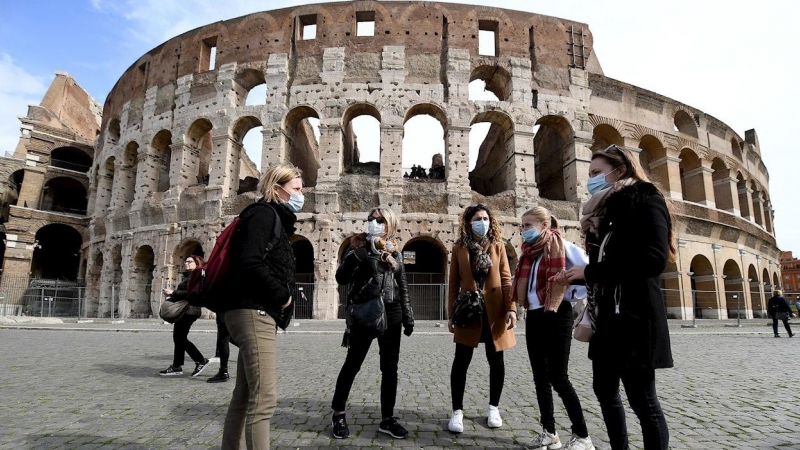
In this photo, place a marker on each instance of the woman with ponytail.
(544, 257)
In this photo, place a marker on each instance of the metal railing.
(427, 301)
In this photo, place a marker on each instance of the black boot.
(221, 376)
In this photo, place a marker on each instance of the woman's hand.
(511, 319)
(560, 278)
(168, 291)
(450, 326)
(286, 305)
(575, 273)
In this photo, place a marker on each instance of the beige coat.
(496, 292)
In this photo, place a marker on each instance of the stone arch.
(704, 288)
(105, 185)
(744, 196)
(126, 175)
(140, 288)
(653, 159)
(161, 160)
(551, 144)
(691, 172)
(756, 298)
(352, 159)
(304, 274)
(64, 195)
(604, 135)
(301, 142)
(247, 169)
(71, 158)
(757, 208)
(198, 140)
(421, 142)
(113, 131)
(722, 185)
(735, 297)
(736, 149)
(247, 87)
(15, 184)
(425, 263)
(497, 80)
(493, 172)
(684, 123)
(56, 252)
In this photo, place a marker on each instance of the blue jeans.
(640, 387)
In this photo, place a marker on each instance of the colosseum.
(170, 169)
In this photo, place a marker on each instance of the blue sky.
(730, 59)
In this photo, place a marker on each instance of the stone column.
(30, 193)
(669, 168)
(326, 289)
(330, 169)
(722, 298)
(685, 309)
(745, 200)
(224, 174)
(577, 158)
(457, 168)
(758, 209)
(524, 167)
(391, 181)
(275, 144)
(728, 193)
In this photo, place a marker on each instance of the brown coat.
(496, 292)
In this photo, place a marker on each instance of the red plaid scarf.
(554, 261)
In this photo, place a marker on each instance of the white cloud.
(17, 90)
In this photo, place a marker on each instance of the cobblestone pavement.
(73, 389)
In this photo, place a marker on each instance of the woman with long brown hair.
(479, 274)
(629, 237)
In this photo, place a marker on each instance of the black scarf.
(479, 260)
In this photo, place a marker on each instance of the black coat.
(636, 254)
(367, 275)
(778, 304)
(262, 279)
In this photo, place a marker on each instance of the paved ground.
(67, 388)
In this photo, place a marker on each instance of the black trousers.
(389, 348)
(463, 357)
(180, 336)
(549, 336)
(223, 342)
(785, 325)
(640, 387)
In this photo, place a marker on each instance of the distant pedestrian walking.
(223, 350)
(779, 309)
(180, 331)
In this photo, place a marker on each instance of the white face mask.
(375, 229)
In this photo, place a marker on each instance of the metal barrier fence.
(427, 301)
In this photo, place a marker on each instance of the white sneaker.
(456, 424)
(545, 441)
(214, 359)
(493, 417)
(577, 443)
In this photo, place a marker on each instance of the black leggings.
(180, 336)
(223, 342)
(458, 374)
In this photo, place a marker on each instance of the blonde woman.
(479, 273)
(374, 269)
(262, 286)
(548, 326)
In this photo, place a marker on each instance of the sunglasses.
(190, 261)
(377, 219)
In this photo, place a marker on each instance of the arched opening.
(495, 79)
(684, 123)
(691, 171)
(15, 185)
(361, 139)
(140, 289)
(304, 276)
(653, 159)
(162, 159)
(199, 139)
(424, 260)
(755, 292)
(757, 208)
(120, 310)
(70, 158)
(424, 143)
(489, 159)
(64, 195)
(105, 184)
(744, 196)
(722, 185)
(767, 214)
(776, 281)
(301, 130)
(56, 252)
(248, 136)
(736, 149)
(93, 274)
(126, 182)
(113, 131)
(251, 87)
(704, 290)
(603, 136)
(550, 145)
(734, 290)
(768, 287)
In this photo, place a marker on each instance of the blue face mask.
(597, 183)
(480, 228)
(530, 236)
(296, 202)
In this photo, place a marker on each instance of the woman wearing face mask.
(479, 265)
(374, 267)
(627, 219)
(263, 281)
(548, 326)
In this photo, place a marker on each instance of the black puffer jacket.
(181, 292)
(367, 275)
(262, 279)
(636, 254)
(778, 304)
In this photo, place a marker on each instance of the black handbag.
(369, 315)
(468, 309)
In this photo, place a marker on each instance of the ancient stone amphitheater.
(170, 170)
